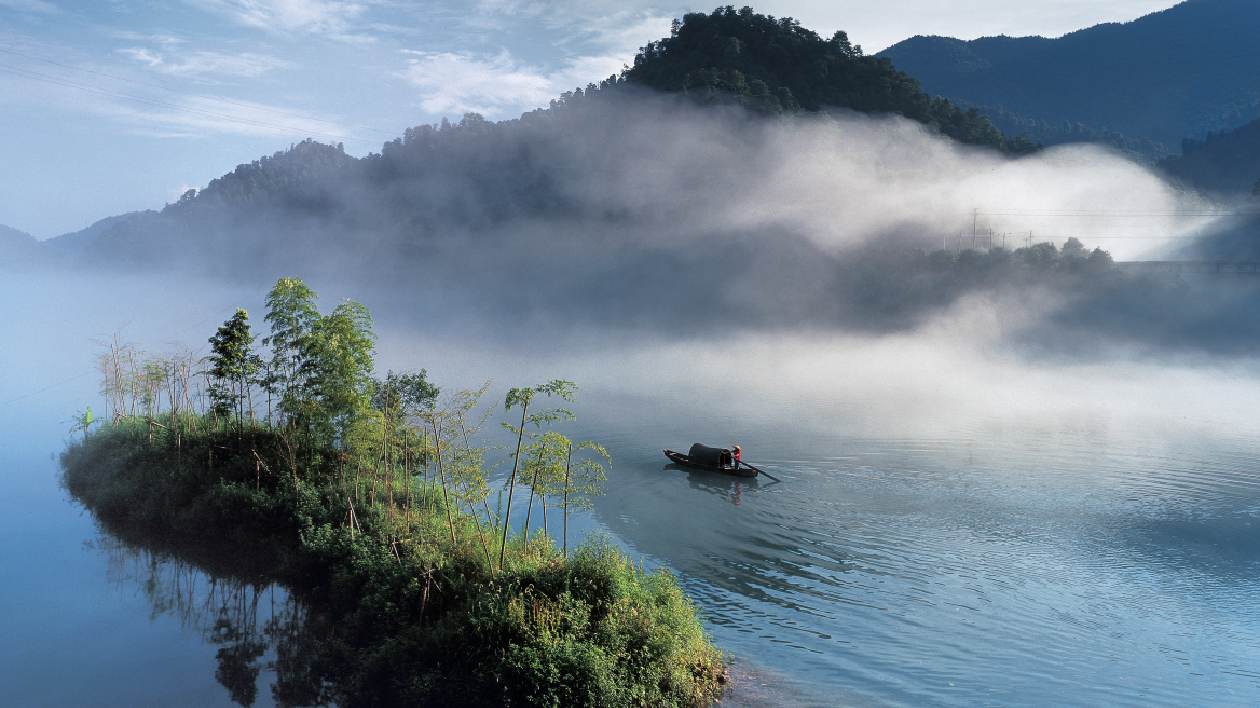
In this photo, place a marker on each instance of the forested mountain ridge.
(675, 197)
(478, 173)
(74, 242)
(1141, 149)
(771, 66)
(1169, 75)
(1224, 165)
(20, 247)
(775, 64)
(11, 238)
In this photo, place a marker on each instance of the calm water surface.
(1107, 564)
(1046, 548)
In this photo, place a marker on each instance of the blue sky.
(112, 106)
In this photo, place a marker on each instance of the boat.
(711, 459)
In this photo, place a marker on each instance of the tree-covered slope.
(1226, 164)
(20, 248)
(1181, 72)
(775, 64)
(76, 241)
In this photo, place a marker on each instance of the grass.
(415, 606)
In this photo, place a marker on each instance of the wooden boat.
(710, 459)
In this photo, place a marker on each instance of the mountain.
(79, 240)
(774, 64)
(1225, 165)
(675, 198)
(1182, 72)
(19, 247)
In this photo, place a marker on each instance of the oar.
(754, 469)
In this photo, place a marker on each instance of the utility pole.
(974, 214)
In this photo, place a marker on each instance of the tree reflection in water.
(257, 625)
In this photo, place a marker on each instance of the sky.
(114, 106)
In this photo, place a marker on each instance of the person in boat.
(735, 454)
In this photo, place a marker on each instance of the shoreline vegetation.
(369, 500)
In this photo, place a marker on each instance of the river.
(954, 525)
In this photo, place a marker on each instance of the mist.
(624, 215)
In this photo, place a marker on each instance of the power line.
(46, 388)
(76, 378)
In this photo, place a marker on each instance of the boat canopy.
(707, 455)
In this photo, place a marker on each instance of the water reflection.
(262, 631)
(730, 488)
(1083, 561)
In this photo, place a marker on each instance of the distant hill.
(1141, 149)
(1178, 73)
(19, 247)
(76, 241)
(1226, 165)
(774, 64)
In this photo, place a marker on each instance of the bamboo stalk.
(437, 438)
(507, 516)
(568, 463)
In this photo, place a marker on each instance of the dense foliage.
(1180, 72)
(370, 500)
(889, 286)
(1224, 164)
(1143, 149)
(775, 64)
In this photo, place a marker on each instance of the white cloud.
(329, 17)
(245, 64)
(29, 5)
(196, 115)
(495, 86)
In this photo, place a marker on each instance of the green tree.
(293, 315)
(232, 366)
(321, 365)
(554, 473)
(544, 467)
(338, 370)
(1073, 248)
(407, 394)
(522, 398)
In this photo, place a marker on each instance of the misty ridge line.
(648, 212)
(719, 206)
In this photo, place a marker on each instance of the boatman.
(736, 455)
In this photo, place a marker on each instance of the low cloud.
(633, 212)
(497, 86)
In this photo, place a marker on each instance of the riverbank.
(419, 601)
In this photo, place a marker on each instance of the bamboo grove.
(370, 497)
(376, 442)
